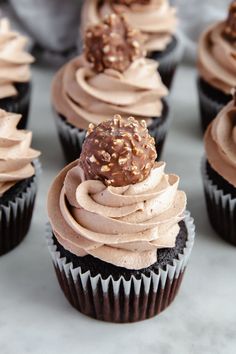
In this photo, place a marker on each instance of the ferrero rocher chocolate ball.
(112, 44)
(230, 24)
(118, 152)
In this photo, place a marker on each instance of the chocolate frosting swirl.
(83, 96)
(217, 58)
(14, 60)
(220, 143)
(156, 19)
(120, 225)
(16, 155)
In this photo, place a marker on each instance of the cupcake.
(156, 19)
(18, 181)
(15, 86)
(219, 172)
(112, 75)
(217, 67)
(119, 235)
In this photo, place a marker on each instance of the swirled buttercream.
(156, 19)
(83, 96)
(16, 155)
(14, 60)
(120, 225)
(220, 143)
(217, 58)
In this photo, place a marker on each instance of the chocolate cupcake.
(119, 235)
(217, 67)
(155, 19)
(15, 84)
(111, 76)
(18, 181)
(219, 172)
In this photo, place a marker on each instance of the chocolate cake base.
(16, 208)
(96, 266)
(115, 294)
(211, 102)
(19, 104)
(72, 138)
(168, 60)
(220, 198)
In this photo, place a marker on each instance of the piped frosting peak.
(14, 60)
(217, 53)
(16, 155)
(220, 143)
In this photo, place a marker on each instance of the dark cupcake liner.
(16, 215)
(159, 129)
(211, 102)
(168, 61)
(121, 300)
(221, 208)
(19, 104)
(72, 138)
(53, 59)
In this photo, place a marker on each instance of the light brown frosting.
(220, 143)
(83, 96)
(156, 20)
(16, 156)
(14, 60)
(217, 59)
(120, 225)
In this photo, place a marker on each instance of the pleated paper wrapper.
(16, 215)
(121, 300)
(221, 208)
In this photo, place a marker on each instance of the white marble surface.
(36, 318)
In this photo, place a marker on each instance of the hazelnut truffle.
(230, 24)
(118, 152)
(112, 44)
